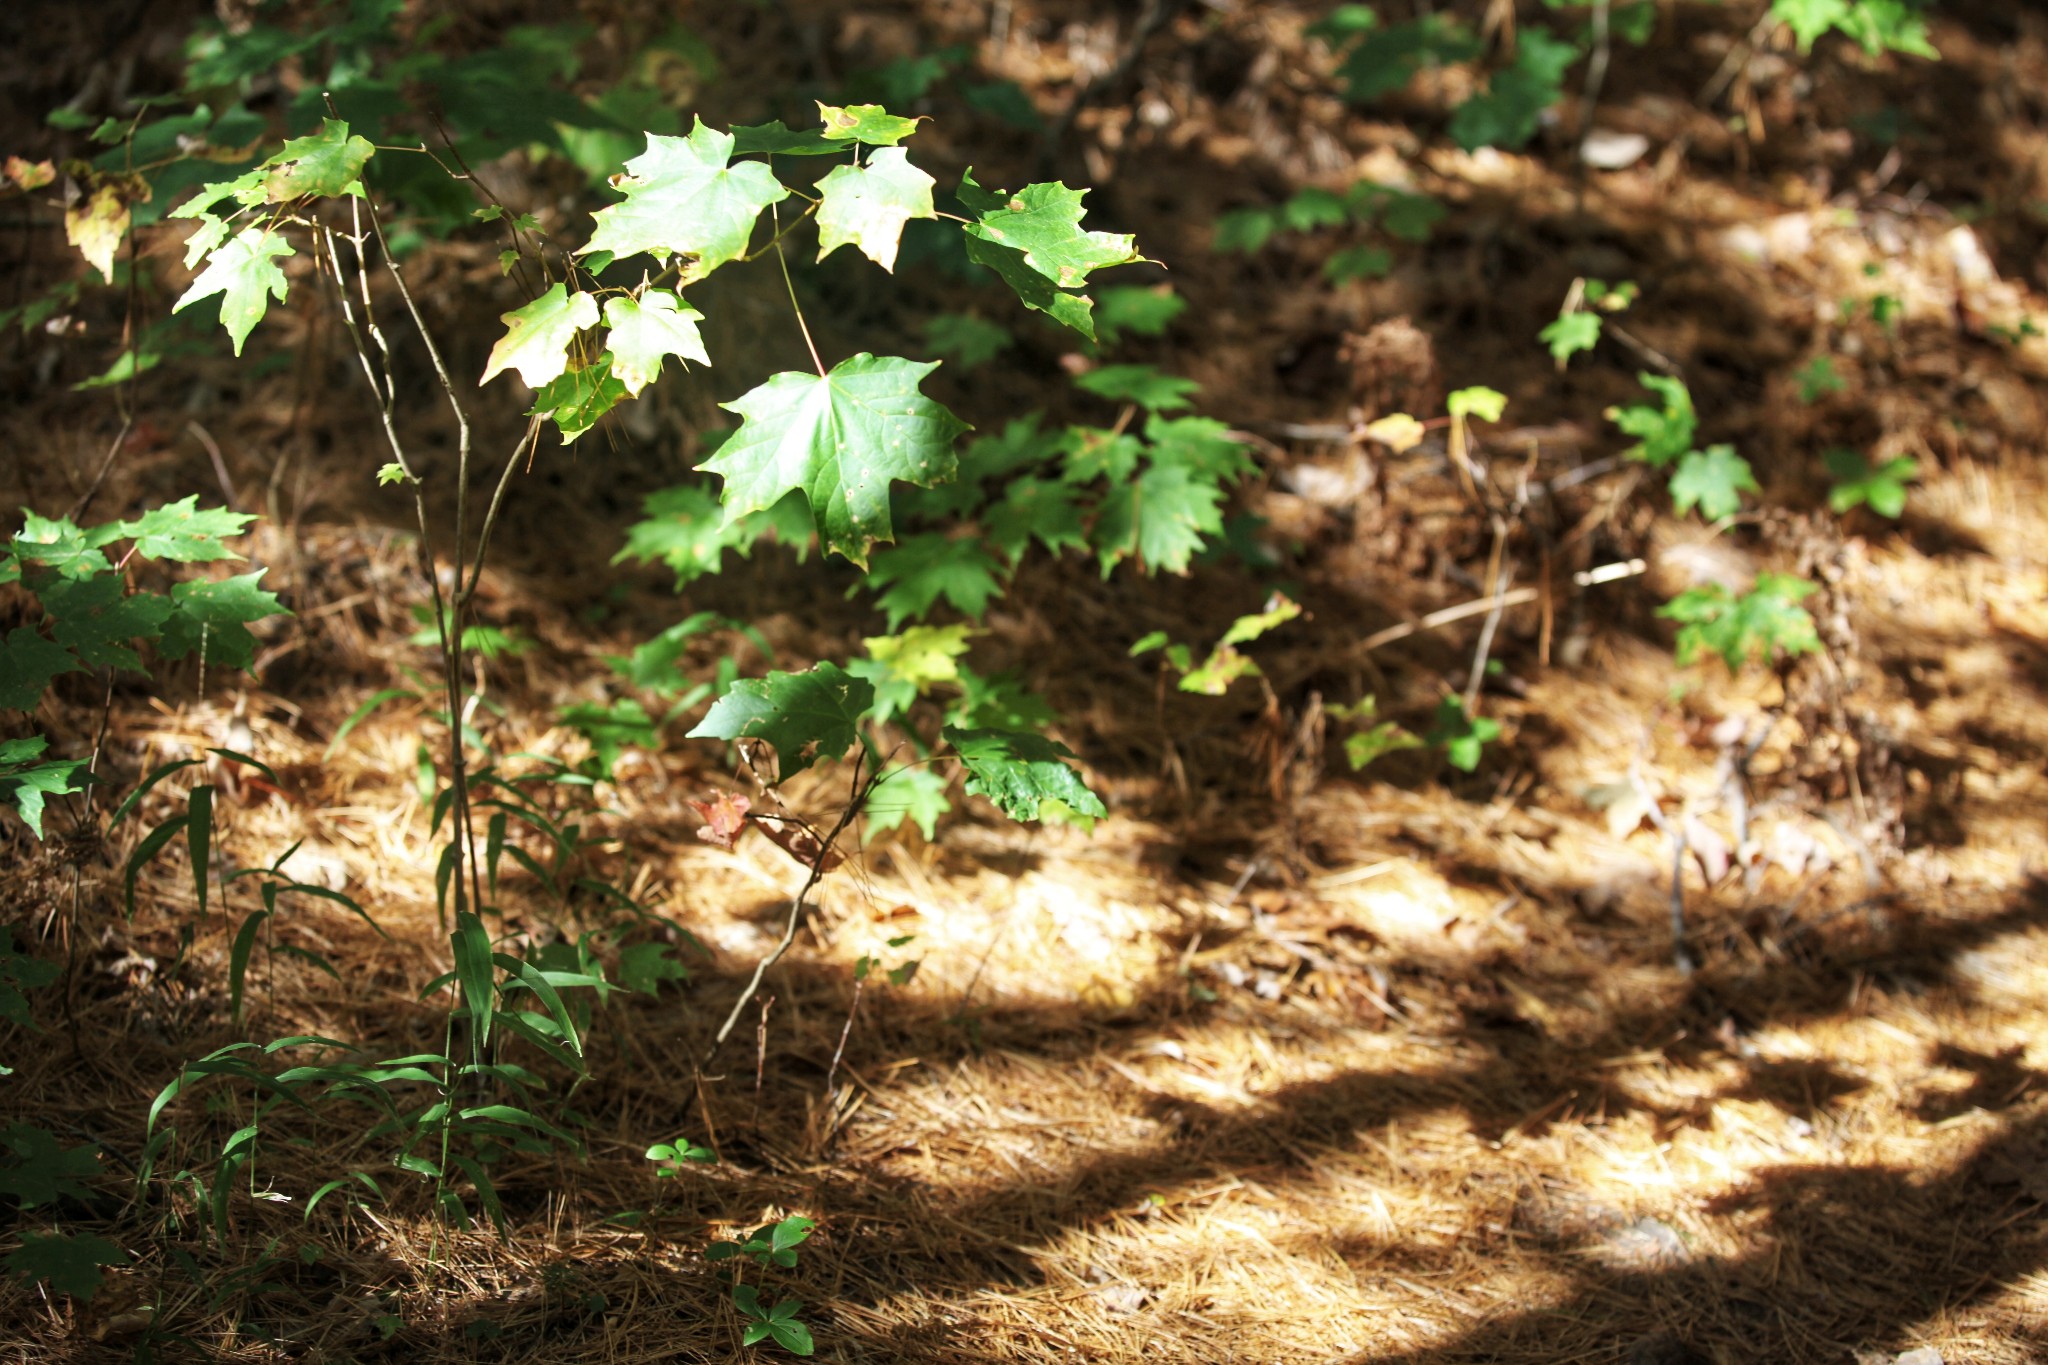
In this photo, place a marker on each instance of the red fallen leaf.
(725, 818)
(800, 844)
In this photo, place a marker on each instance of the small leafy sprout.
(389, 473)
(1765, 622)
(899, 975)
(1462, 737)
(1569, 334)
(1819, 379)
(1577, 325)
(673, 1155)
(1384, 737)
(1665, 432)
(1225, 664)
(1714, 480)
(1612, 298)
(1858, 483)
(777, 1324)
(773, 1245)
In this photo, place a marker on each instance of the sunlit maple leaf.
(537, 337)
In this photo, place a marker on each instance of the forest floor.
(1281, 1062)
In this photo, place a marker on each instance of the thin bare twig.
(819, 864)
(1605, 573)
(1474, 683)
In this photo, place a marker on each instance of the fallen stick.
(1606, 573)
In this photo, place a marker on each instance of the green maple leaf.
(1023, 443)
(537, 337)
(646, 330)
(212, 616)
(27, 664)
(1478, 401)
(1358, 263)
(245, 189)
(1244, 230)
(184, 532)
(1381, 62)
(1890, 24)
(39, 1170)
(1809, 19)
(61, 546)
(841, 438)
(329, 162)
(97, 619)
(1202, 445)
(244, 273)
(1092, 453)
(1385, 738)
(642, 969)
(1570, 334)
(20, 972)
(1714, 479)
(914, 794)
(1141, 310)
(998, 702)
(1819, 379)
(1160, 517)
(1140, 384)
(924, 568)
(1463, 737)
(1763, 622)
(1035, 509)
(576, 399)
(686, 529)
(1401, 214)
(1511, 110)
(1036, 292)
(71, 1264)
(1017, 771)
(26, 779)
(968, 341)
(1044, 223)
(778, 139)
(806, 716)
(655, 665)
(869, 123)
(1663, 433)
(1857, 482)
(684, 199)
(1312, 208)
(611, 728)
(868, 205)
(902, 668)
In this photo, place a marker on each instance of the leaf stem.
(790, 285)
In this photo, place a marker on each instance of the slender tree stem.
(790, 285)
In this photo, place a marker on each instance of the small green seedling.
(774, 1245)
(673, 1155)
(1462, 737)
(777, 1324)
(1858, 483)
